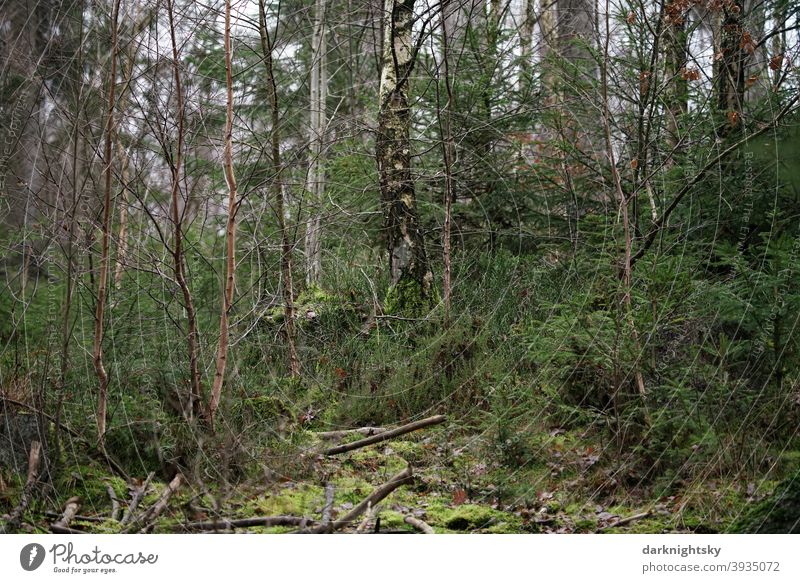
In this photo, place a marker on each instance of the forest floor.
(458, 487)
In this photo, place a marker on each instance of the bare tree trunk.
(316, 167)
(122, 232)
(729, 70)
(675, 59)
(411, 276)
(525, 44)
(102, 287)
(548, 46)
(178, 214)
(448, 149)
(230, 229)
(286, 244)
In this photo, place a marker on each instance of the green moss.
(405, 298)
(778, 514)
(90, 482)
(296, 500)
(475, 517)
(392, 520)
(259, 407)
(410, 451)
(313, 296)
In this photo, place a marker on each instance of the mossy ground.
(462, 485)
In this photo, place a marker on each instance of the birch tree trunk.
(411, 276)
(445, 119)
(316, 167)
(230, 229)
(102, 287)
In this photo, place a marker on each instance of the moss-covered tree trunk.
(410, 272)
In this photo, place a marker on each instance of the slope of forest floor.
(459, 487)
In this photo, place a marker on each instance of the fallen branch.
(627, 520)
(230, 524)
(333, 435)
(136, 498)
(64, 530)
(15, 518)
(328, 508)
(115, 508)
(404, 477)
(70, 510)
(421, 526)
(79, 517)
(148, 518)
(386, 435)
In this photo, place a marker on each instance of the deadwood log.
(136, 497)
(421, 526)
(404, 477)
(328, 508)
(15, 518)
(230, 524)
(365, 431)
(402, 430)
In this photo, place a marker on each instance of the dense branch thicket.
(570, 227)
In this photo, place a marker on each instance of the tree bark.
(410, 274)
(448, 151)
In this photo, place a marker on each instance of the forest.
(399, 266)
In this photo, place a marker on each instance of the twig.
(387, 435)
(404, 477)
(423, 527)
(369, 516)
(136, 498)
(627, 520)
(15, 518)
(230, 524)
(70, 510)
